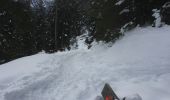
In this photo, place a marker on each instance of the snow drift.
(138, 65)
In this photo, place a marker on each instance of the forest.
(31, 26)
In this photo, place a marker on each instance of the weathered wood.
(108, 93)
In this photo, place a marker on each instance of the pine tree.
(15, 30)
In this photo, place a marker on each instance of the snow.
(125, 27)
(124, 11)
(136, 66)
(22, 66)
(157, 16)
(166, 5)
(37, 3)
(119, 2)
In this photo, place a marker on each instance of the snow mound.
(136, 64)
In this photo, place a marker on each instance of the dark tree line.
(15, 30)
(111, 15)
(27, 27)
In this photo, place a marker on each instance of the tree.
(15, 30)
(107, 19)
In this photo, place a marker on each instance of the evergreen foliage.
(165, 12)
(27, 28)
(15, 30)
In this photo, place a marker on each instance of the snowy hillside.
(138, 64)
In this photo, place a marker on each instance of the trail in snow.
(136, 64)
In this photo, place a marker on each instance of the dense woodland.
(30, 26)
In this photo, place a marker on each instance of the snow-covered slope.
(139, 63)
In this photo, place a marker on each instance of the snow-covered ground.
(137, 64)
